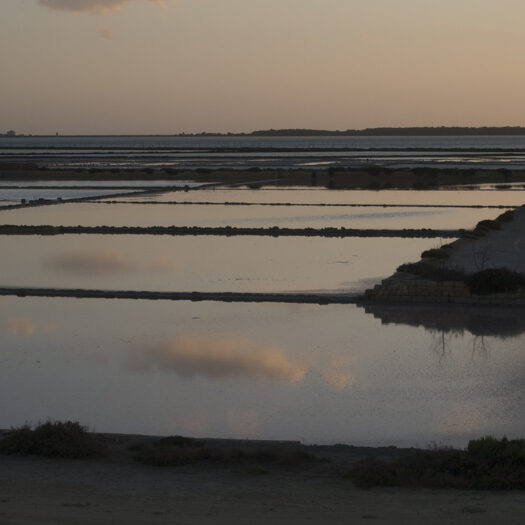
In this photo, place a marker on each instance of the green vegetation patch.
(52, 439)
(487, 463)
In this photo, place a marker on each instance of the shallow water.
(317, 374)
(99, 183)
(237, 264)
(101, 214)
(321, 374)
(488, 152)
(34, 194)
(302, 195)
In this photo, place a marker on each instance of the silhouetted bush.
(487, 463)
(494, 280)
(435, 253)
(53, 439)
(508, 216)
(432, 272)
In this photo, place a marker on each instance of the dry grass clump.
(487, 463)
(52, 439)
(177, 450)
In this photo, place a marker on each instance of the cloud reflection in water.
(88, 262)
(25, 326)
(218, 358)
(20, 326)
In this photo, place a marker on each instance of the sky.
(171, 66)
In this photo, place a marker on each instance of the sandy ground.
(117, 490)
(499, 248)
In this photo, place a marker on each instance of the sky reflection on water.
(245, 264)
(313, 195)
(100, 214)
(318, 373)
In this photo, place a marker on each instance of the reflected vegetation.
(479, 321)
(218, 358)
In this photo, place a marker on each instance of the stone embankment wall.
(406, 290)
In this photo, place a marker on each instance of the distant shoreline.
(430, 131)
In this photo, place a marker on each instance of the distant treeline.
(413, 131)
(371, 132)
(367, 132)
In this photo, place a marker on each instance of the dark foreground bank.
(239, 482)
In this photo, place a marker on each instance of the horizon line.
(396, 130)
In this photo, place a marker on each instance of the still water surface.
(321, 374)
(237, 264)
(102, 214)
(300, 195)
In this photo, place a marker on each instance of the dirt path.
(55, 492)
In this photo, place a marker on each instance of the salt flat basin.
(238, 264)
(102, 214)
(320, 374)
(298, 195)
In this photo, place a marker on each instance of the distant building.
(11, 133)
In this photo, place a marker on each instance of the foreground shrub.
(487, 463)
(53, 439)
(494, 280)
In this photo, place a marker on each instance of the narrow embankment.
(134, 192)
(228, 231)
(228, 297)
(307, 204)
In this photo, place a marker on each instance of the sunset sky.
(151, 66)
